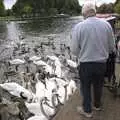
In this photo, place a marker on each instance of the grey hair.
(89, 9)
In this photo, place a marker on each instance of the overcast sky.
(10, 3)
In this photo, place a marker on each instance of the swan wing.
(72, 63)
(40, 62)
(34, 108)
(35, 58)
(42, 117)
(16, 61)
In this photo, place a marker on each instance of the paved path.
(111, 106)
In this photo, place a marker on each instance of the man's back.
(95, 39)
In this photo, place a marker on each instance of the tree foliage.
(116, 2)
(44, 7)
(106, 8)
(2, 8)
(117, 7)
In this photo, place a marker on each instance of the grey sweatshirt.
(92, 40)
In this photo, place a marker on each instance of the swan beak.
(58, 95)
(46, 99)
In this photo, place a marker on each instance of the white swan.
(34, 108)
(71, 88)
(34, 58)
(71, 63)
(58, 70)
(52, 57)
(40, 62)
(40, 90)
(61, 88)
(38, 118)
(62, 92)
(47, 67)
(42, 110)
(16, 89)
(57, 65)
(60, 81)
(45, 89)
(50, 86)
(47, 109)
(16, 62)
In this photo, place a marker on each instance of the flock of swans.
(46, 89)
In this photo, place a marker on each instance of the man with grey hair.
(92, 42)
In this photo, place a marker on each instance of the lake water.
(34, 32)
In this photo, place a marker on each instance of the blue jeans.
(91, 73)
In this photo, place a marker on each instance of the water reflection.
(12, 31)
(3, 30)
(36, 31)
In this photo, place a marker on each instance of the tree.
(8, 12)
(106, 8)
(116, 2)
(46, 6)
(117, 7)
(27, 9)
(2, 8)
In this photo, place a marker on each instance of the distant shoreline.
(12, 18)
